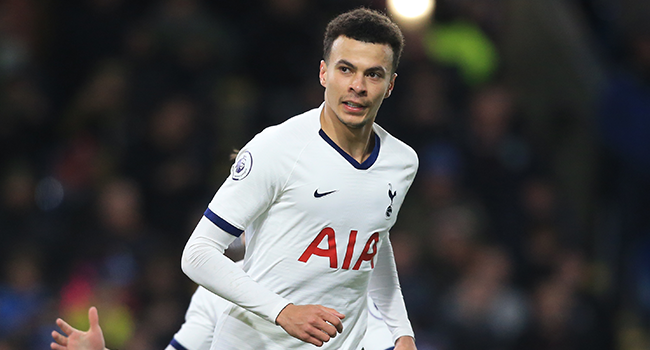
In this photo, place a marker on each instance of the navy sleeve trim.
(222, 224)
(176, 345)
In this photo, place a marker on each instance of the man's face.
(357, 78)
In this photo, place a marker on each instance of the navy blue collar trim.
(361, 166)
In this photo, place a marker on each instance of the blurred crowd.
(527, 226)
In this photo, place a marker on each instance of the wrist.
(405, 340)
(277, 318)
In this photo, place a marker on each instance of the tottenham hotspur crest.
(391, 195)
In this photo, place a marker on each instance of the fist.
(315, 324)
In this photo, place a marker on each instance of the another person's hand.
(405, 343)
(314, 324)
(75, 339)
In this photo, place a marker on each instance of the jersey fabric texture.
(206, 307)
(316, 222)
(378, 336)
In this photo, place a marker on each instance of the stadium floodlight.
(411, 12)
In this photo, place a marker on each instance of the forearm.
(386, 293)
(203, 261)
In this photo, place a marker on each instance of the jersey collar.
(361, 166)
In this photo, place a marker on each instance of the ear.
(322, 73)
(391, 85)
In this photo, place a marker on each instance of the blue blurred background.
(526, 228)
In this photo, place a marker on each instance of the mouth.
(353, 107)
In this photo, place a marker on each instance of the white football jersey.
(314, 218)
(206, 307)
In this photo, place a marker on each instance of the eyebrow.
(371, 69)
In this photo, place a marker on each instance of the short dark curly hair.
(365, 25)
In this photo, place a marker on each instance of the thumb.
(93, 317)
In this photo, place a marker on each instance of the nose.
(358, 84)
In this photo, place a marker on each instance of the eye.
(374, 75)
(344, 69)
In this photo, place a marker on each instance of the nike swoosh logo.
(318, 195)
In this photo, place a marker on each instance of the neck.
(357, 142)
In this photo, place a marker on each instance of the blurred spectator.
(196, 39)
(83, 33)
(164, 295)
(280, 31)
(19, 36)
(455, 233)
(100, 108)
(119, 228)
(170, 161)
(625, 136)
(562, 318)
(483, 310)
(424, 103)
(25, 110)
(18, 206)
(541, 202)
(497, 157)
(540, 254)
(23, 296)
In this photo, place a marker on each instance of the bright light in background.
(411, 10)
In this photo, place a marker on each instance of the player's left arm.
(386, 292)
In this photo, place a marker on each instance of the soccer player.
(317, 196)
(196, 332)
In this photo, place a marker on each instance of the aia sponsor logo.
(328, 235)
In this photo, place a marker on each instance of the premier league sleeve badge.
(243, 165)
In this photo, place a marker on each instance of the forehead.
(361, 53)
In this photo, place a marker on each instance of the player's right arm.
(204, 262)
(243, 197)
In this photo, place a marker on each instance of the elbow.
(200, 251)
(197, 254)
(189, 259)
(186, 266)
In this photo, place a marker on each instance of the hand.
(314, 324)
(405, 343)
(76, 339)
